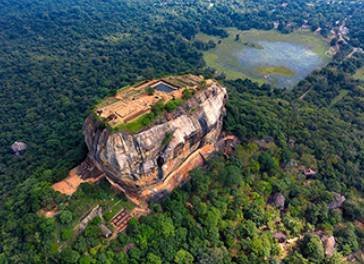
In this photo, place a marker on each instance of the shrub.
(66, 234)
(172, 105)
(65, 217)
(186, 94)
(149, 90)
(311, 248)
(70, 256)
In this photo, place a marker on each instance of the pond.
(281, 63)
(267, 56)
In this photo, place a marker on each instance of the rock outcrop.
(156, 159)
(329, 245)
(277, 200)
(337, 202)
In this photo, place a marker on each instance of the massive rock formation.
(155, 160)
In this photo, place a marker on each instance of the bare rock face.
(146, 160)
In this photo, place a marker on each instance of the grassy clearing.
(223, 58)
(339, 97)
(359, 75)
(279, 70)
(136, 125)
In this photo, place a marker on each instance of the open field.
(267, 56)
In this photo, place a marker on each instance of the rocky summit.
(157, 158)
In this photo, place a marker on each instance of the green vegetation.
(172, 105)
(359, 74)
(339, 97)
(187, 94)
(74, 208)
(279, 70)
(312, 248)
(149, 91)
(138, 124)
(147, 119)
(58, 58)
(167, 138)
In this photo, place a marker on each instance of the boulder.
(337, 202)
(309, 172)
(277, 200)
(280, 236)
(18, 147)
(329, 245)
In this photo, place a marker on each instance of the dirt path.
(304, 94)
(355, 50)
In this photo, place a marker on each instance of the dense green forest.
(58, 58)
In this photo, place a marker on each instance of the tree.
(186, 94)
(85, 260)
(153, 259)
(66, 234)
(149, 90)
(346, 239)
(70, 256)
(311, 248)
(296, 258)
(214, 255)
(65, 217)
(183, 257)
(261, 245)
(232, 176)
(267, 163)
(336, 259)
(200, 182)
(122, 258)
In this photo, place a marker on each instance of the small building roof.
(105, 230)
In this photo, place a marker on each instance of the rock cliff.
(155, 160)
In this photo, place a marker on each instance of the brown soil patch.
(48, 213)
(70, 184)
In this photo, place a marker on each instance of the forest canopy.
(58, 58)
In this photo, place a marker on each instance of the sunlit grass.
(278, 70)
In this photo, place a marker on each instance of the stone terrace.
(132, 102)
